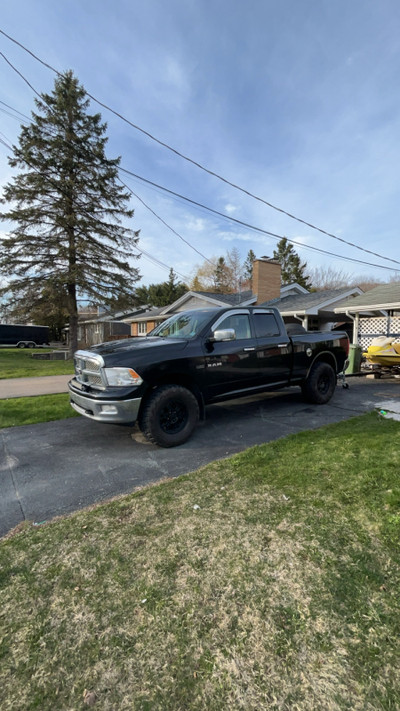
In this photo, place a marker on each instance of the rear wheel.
(320, 384)
(169, 416)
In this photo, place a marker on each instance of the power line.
(224, 216)
(253, 227)
(8, 113)
(147, 206)
(14, 109)
(197, 164)
(19, 73)
(159, 263)
(141, 251)
(4, 143)
(227, 217)
(216, 212)
(165, 223)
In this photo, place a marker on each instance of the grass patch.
(280, 592)
(31, 410)
(18, 363)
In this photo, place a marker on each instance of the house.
(320, 310)
(375, 313)
(313, 310)
(100, 328)
(266, 283)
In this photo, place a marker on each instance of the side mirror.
(227, 334)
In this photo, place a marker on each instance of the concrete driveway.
(54, 468)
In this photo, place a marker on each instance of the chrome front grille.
(88, 369)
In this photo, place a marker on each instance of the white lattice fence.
(370, 328)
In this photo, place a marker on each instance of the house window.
(142, 328)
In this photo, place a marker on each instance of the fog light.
(109, 409)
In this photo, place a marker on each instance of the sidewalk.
(24, 387)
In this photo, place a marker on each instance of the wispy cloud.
(300, 108)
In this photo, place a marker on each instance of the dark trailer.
(22, 336)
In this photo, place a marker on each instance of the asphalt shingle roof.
(230, 299)
(385, 296)
(304, 302)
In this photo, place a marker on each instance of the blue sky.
(297, 102)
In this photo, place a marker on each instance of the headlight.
(122, 377)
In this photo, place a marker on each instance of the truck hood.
(134, 345)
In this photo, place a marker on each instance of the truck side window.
(265, 325)
(240, 323)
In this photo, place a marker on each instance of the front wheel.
(320, 384)
(169, 416)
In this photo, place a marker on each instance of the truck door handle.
(249, 349)
(283, 345)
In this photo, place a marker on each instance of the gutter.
(356, 321)
(303, 319)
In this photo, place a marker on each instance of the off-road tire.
(169, 416)
(320, 384)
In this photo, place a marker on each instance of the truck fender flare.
(189, 386)
(324, 357)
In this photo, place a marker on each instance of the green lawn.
(268, 581)
(31, 410)
(18, 363)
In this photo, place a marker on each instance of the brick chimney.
(266, 279)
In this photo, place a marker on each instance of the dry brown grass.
(263, 598)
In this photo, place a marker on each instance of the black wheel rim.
(324, 385)
(173, 417)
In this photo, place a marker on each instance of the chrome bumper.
(111, 411)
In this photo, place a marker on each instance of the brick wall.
(266, 279)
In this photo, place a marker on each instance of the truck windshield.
(187, 324)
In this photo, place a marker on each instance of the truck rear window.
(265, 325)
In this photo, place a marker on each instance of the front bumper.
(111, 411)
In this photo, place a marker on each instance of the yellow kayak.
(383, 351)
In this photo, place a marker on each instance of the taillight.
(345, 342)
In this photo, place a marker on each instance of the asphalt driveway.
(54, 468)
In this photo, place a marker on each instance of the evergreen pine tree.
(173, 289)
(161, 294)
(196, 284)
(222, 277)
(68, 208)
(293, 271)
(248, 268)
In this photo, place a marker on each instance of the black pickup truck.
(164, 380)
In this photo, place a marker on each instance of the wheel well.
(184, 382)
(325, 357)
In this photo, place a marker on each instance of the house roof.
(298, 300)
(293, 288)
(385, 297)
(244, 298)
(143, 314)
(312, 303)
(228, 299)
(106, 316)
